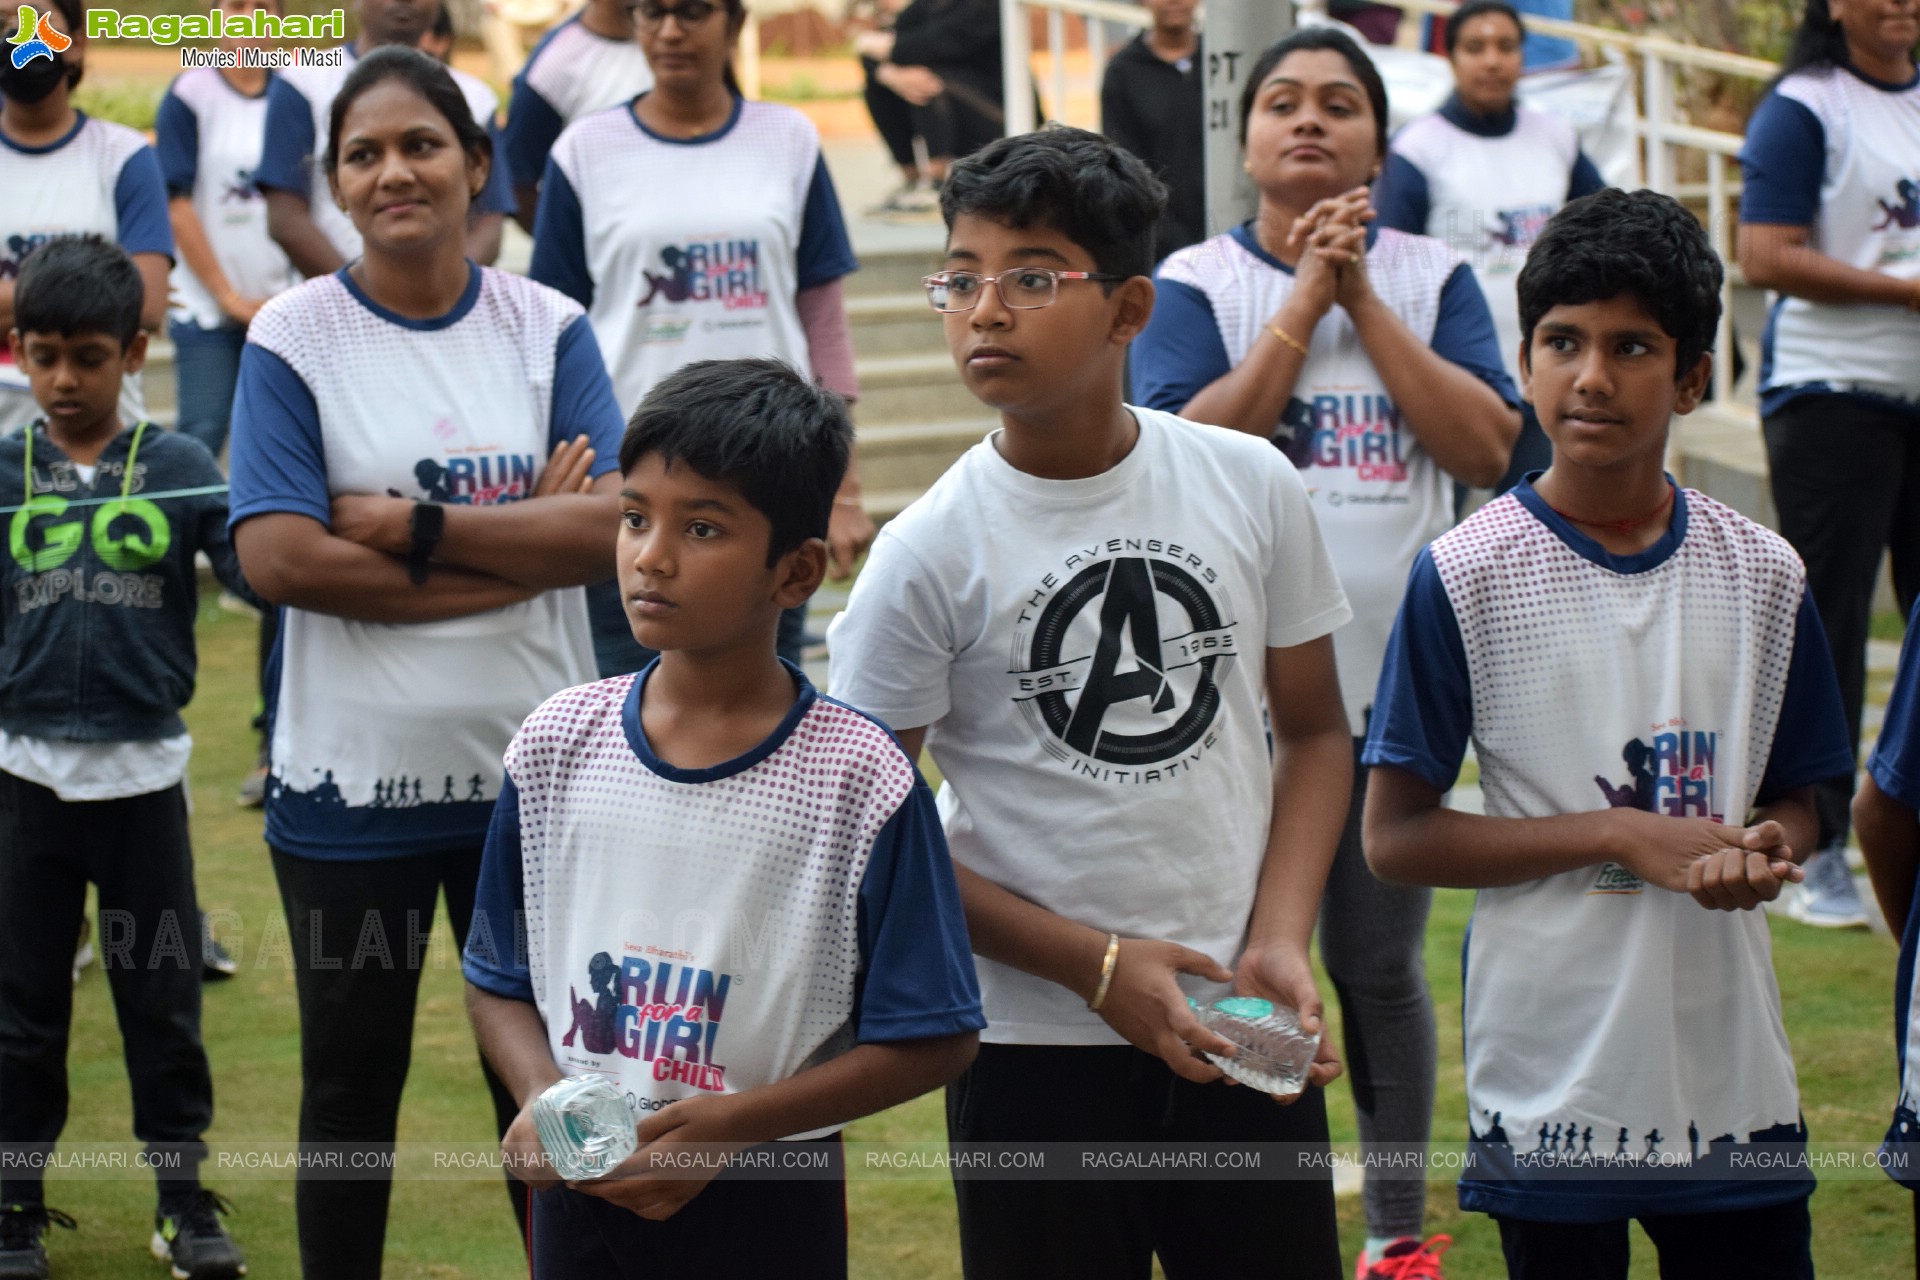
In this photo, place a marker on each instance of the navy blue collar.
(451, 318)
(79, 123)
(733, 118)
(803, 700)
(1243, 234)
(1456, 113)
(1587, 549)
(1885, 86)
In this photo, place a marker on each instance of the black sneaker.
(216, 963)
(194, 1241)
(22, 1256)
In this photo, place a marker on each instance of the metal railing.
(1659, 123)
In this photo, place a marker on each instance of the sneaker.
(909, 200)
(253, 791)
(1407, 1258)
(1828, 897)
(22, 1256)
(194, 1241)
(216, 964)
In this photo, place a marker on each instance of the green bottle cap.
(1249, 1007)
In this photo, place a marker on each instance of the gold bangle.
(1287, 338)
(1107, 965)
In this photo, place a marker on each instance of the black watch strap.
(428, 522)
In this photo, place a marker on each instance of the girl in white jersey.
(63, 173)
(1370, 357)
(1830, 221)
(1484, 174)
(388, 493)
(695, 225)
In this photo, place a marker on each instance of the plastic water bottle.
(585, 1127)
(1274, 1052)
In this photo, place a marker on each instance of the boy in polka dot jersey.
(709, 883)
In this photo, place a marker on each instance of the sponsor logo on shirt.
(1903, 211)
(1517, 228)
(1122, 650)
(1673, 774)
(660, 1011)
(475, 479)
(1359, 433)
(724, 271)
(18, 247)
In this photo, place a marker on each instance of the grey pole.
(1236, 33)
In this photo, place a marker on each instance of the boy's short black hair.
(757, 425)
(1476, 9)
(1102, 197)
(79, 284)
(1638, 242)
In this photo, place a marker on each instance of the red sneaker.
(1407, 1259)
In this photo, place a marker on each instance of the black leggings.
(357, 990)
(1083, 1229)
(950, 127)
(1773, 1243)
(1845, 475)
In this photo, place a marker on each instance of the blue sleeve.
(1585, 178)
(1782, 163)
(1180, 352)
(140, 205)
(497, 195)
(176, 136)
(583, 402)
(275, 457)
(1423, 708)
(825, 253)
(916, 964)
(495, 959)
(560, 239)
(1895, 763)
(1400, 197)
(287, 140)
(532, 126)
(1463, 334)
(1810, 740)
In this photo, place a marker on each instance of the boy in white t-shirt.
(1080, 620)
(710, 884)
(1651, 700)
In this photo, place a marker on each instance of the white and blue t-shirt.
(689, 932)
(1839, 153)
(685, 249)
(1610, 1025)
(1377, 495)
(299, 113)
(1486, 185)
(386, 739)
(1895, 766)
(102, 179)
(209, 135)
(572, 72)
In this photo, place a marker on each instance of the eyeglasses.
(1021, 288)
(691, 13)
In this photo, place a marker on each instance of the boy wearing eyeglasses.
(1080, 621)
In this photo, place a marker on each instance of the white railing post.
(1097, 54)
(1657, 87)
(1238, 31)
(750, 58)
(1719, 224)
(1016, 67)
(1057, 63)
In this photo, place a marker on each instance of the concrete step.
(911, 456)
(912, 388)
(891, 271)
(887, 324)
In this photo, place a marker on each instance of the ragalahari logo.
(37, 38)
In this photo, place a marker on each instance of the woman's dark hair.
(1320, 38)
(1638, 243)
(426, 77)
(79, 284)
(1101, 197)
(1820, 41)
(756, 425)
(1478, 9)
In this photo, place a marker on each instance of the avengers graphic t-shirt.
(1379, 496)
(386, 738)
(688, 932)
(690, 249)
(1610, 1024)
(1090, 659)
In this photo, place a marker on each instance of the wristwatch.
(428, 522)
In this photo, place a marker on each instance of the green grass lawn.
(1837, 990)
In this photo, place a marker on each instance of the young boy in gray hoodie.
(97, 602)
